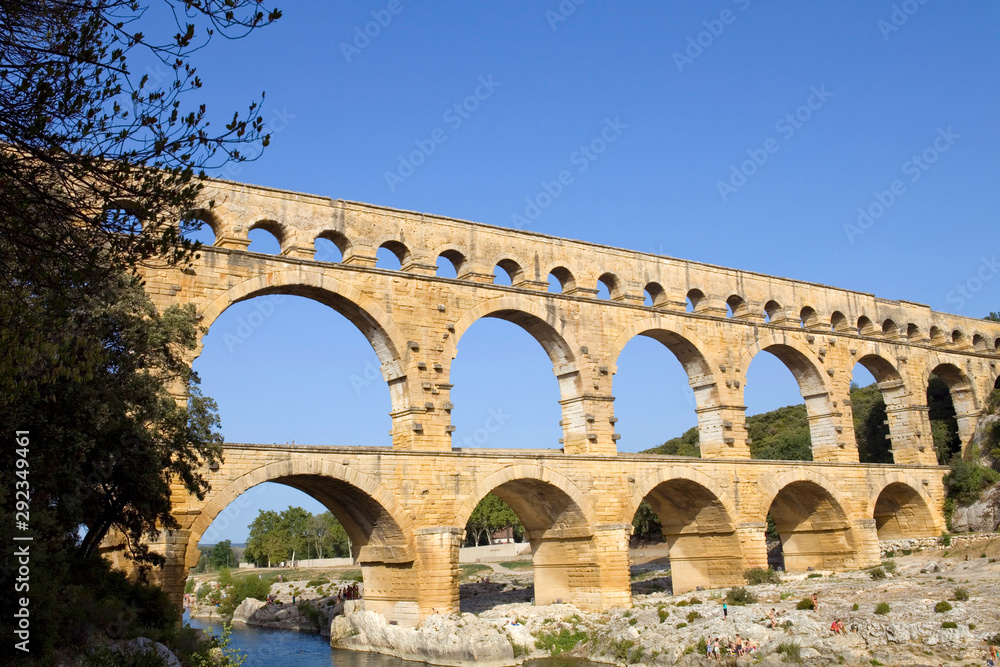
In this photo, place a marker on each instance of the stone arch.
(698, 522)
(565, 277)
(453, 254)
(813, 385)
(657, 295)
(553, 334)
(373, 322)
(902, 509)
(738, 306)
(558, 523)
(963, 395)
(865, 326)
(511, 268)
(696, 297)
(773, 311)
(208, 217)
(889, 328)
(338, 239)
(397, 248)
(812, 521)
(541, 323)
(687, 347)
(381, 531)
(838, 321)
(895, 394)
(808, 317)
(273, 227)
(958, 337)
(612, 283)
(375, 521)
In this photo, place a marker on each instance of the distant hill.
(783, 434)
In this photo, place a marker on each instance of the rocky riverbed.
(498, 625)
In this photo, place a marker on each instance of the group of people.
(993, 657)
(717, 647)
(348, 593)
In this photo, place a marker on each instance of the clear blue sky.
(695, 89)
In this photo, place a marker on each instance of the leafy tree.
(993, 317)
(329, 536)
(489, 516)
(265, 543)
(870, 429)
(294, 532)
(646, 525)
(944, 425)
(223, 555)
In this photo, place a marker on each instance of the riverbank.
(499, 626)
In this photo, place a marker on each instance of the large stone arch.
(362, 311)
(812, 520)
(902, 508)
(814, 386)
(716, 416)
(697, 518)
(558, 523)
(381, 531)
(553, 333)
(904, 418)
(968, 407)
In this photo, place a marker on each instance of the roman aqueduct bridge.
(405, 506)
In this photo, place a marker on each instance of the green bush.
(950, 624)
(189, 585)
(692, 615)
(854, 607)
(621, 649)
(242, 588)
(882, 608)
(967, 480)
(740, 596)
(663, 613)
(313, 583)
(942, 606)
(889, 566)
(790, 651)
(559, 643)
(962, 594)
(877, 573)
(761, 575)
(123, 657)
(702, 646)
(681, 625)
(805, 603)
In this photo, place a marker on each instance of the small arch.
(865, 326)
(912, 331)
(656, 296)
(610, 290)
(890, 329)
(808, 317)
(958, 337)
(695, 297)
(996, 345)
(201, 226)
(274, 229)
(838, 321)
(450, 263)
(563, 278)
(937, 336)
(902, 512)
(979, 342)
(772, 310)
(331, 247)
(389, 250)
(507, 268)
(123, 218)
(736, 306)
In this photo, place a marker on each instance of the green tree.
(490, 515)
(993, 317)
(223, 555)
(646, 525)
(944, 425)
(684, 445)
(870, 428)
(264, 544)
(329, 536)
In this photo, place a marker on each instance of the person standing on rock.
(725, 611)
(815, 602)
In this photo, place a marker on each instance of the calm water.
(281, 648)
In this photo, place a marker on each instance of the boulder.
(143, 644)
(246, 610)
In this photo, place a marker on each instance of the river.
(283, 648)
